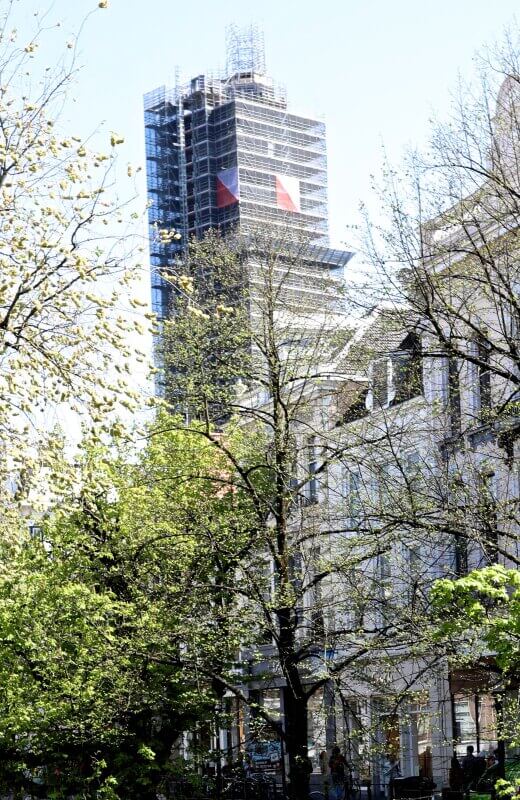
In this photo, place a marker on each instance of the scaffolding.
(237, 121)
(245, 50)
(166, 183)
(271, 143)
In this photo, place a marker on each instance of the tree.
(447, 246)
(430, 471)
(445, 258)
(250, 349)
(63, 272)
(58, 255)
(109, 619)
(484, 604)
(446, 254)
(481, 610)
(246, 350)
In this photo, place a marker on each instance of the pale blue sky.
(376, 69)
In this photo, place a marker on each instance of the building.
(228, 153)
(390, 387)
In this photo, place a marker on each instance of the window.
(325, 475)
(454, 407)
(513, 328)
(266, 580)
(461, 554)
(312, 486)
(353, 496)
(385, 588)
(35, 532)
(407, 370)
(316, 601)
(487, 521)
(357, 598)
(411, 464)
(389, 730)
(160, 301)
(263, 745)
(417, 568)
(475, 723)
(385, 569)
(397, 377)
(456, 498)
(350, 731)
(415, 563)
(422, 720)
(484, 375)
(296, 571)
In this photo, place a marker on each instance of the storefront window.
(475, 722)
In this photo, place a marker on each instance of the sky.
(376, 70)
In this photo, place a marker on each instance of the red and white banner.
(228, 191)
(287, 193)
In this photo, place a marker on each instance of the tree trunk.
(219, 690)
(295, 717)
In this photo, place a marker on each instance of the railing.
(257, 787)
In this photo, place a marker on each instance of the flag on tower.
(287, 193)
(227, 187)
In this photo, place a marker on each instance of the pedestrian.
(469, 767)
(456, 774)
(487, 781)
(338, 773)
(248, 765)
(323, 762)
(391, 771)
(425, 763)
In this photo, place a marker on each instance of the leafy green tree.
(109, 618)
(485, 605)
(479, 614)
(63, 271)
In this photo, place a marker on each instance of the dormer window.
(407, 370)
(396, 377)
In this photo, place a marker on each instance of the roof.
(378, 334)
